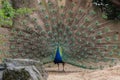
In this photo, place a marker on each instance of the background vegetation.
(111, 10)
(7, 13)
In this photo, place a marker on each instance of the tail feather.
(85, 36)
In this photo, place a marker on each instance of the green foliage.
(111, 10)
(22, 11)
(7, 13)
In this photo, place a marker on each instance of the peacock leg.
(63, 66)
(58, 66)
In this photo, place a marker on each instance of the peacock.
(66, 33)
(58, 57)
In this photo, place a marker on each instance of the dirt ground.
(74, 73)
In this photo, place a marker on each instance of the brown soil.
(74, 73)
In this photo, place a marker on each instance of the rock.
(23, 69)
(20, 74)
(1, 73)
(2, 68)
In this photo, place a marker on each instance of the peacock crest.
(85, 37)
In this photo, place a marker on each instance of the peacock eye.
(62, 14)
(61, 6)
(92, 12)
(40, 3)
(46, 17)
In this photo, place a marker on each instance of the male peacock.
(58, 57)
(66, 33)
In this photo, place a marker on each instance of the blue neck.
(58, 58)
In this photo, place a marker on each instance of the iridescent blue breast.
(58, 56)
